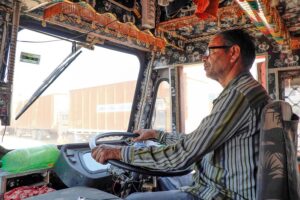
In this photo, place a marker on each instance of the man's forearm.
(169, 138)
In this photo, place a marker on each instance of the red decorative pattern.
(201, 6)
(23, 192)
(107, 20)
(295, 44)
(193, 20)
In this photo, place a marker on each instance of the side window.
(198, 93)
(161, 118)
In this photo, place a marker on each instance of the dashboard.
(76, 167)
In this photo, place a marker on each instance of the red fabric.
(23, 192)
(206, 8)
(201, 5)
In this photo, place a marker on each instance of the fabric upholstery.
(278, 176)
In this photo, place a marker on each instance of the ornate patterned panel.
(290, 12)
(34, 4)
(6, 41)
(6, 9)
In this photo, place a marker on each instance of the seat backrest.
(278, 176)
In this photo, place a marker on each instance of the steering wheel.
(125, 140)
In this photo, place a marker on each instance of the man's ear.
(235, 53)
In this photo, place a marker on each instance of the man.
(224, 148)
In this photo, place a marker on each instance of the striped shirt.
(223, 149)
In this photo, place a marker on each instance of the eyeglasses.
(207, 52)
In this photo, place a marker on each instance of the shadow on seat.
(278, 176)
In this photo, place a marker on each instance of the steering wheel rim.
(126, 166)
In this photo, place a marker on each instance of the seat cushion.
(75, 193)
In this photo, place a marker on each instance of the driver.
(224, 148)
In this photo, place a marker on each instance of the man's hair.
(244, 41)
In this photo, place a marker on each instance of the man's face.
(216, 63)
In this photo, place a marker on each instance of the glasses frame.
(207, 52)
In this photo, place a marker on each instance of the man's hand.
(103, 153)
(145, 134)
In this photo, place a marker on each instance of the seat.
(278, 176)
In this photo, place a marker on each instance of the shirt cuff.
(127, 154)
(161, 136)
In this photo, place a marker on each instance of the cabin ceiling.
(152, 25)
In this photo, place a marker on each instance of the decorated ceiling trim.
(29, 5)
(84, 13)
(225, 17)
(266, 18)
(229, 11)
(206, 8)
(207, 38)
(123, 6)
(5, 9)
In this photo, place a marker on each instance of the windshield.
(93, 95)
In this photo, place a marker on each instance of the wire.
(113, 188)
(4, 131)
(132, 183)
(78, 36)
(25, 41)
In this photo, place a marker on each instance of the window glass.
(199, 93)
(93, 95)
(161, 118)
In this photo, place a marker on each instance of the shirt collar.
(236, 79)
(231, 83)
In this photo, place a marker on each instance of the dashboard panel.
(76, 167)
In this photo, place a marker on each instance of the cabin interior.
(165, 36)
